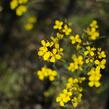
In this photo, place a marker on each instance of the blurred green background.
(19, 85)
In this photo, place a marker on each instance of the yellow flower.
(67, 30)
(55, 56)
(92, 31)
(28, 26)
(58, 24)
(101, 54)
(42, 73)
(52, 74)
(59, 35)
(64, 97)
(75, 39)
(43, 49)
(100, 64)
(54, 39)
(47, 55)
(79, 60)
(89, 60)
(13, 4)
(72, 67)
(94, 77)
(89, 51)
(21, 10)
(94, 24)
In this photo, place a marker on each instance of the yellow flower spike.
(67, 30)
(21, 10)
(58, 24)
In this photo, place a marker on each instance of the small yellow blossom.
(89, 60)
(67, 30)
(94, 24)
(42, 73)
(75, 39)
(94, 77)
(29, 23)
(13, 4)
(100, 64)
(58, 24)
(59, 35)
(21, 10)
(89, 51)
(64, 97)
(101, 54)
(43, 49)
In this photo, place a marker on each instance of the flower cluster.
(97, 59)
(50, 51)
(46, 72)
(63, 28)
(19, 6)
(85, 64)
(92, 31)
(72, 92)
(29, 23)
